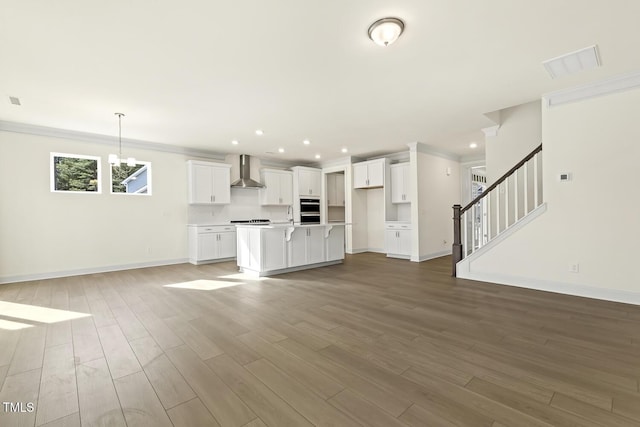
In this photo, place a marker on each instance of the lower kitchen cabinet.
(262, 249)
(335, 244)
(306, 246)
(211, 243)
(398, 240)
(269, 250)
(274, 249)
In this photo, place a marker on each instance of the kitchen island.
(266, 250)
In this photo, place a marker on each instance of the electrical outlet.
(149, 249)
(574, 268)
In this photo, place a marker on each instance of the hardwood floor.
(372, 342)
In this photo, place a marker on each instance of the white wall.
(437, 192)
(519, 134)
(44, 232)
(591, 220)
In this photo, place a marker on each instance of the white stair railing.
(503, 204)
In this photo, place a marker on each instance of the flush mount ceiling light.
(259, 132)
(306, 142)
(473, 145)
(114, 159)
(234, 142)
(344, 150)
(280, 150)
(385, 31)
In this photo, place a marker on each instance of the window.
(131, 179)
(75, 173)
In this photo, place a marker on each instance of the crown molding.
(105, 139)
(341, 161)
(472, 159)
(399, 157)
(421, 147)
(491, 130)
(592, 90)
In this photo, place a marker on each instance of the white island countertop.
(289, 224)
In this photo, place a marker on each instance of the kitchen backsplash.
(245, 204)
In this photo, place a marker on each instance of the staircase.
(502, 205)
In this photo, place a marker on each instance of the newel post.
(457, 242)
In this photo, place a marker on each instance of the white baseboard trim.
(615, 295)
(82, 271)
(362, 250)
(356, 251)
(398, 256)
(433, 255)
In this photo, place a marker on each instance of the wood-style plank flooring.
(372, 342)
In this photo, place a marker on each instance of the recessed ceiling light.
(473, 145)
(344, 150)
(259, 132)
(306, 142)
(234, 142)
(317, 156)
(280, 150)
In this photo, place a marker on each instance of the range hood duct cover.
(245, 180)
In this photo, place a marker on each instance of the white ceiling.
(200, 73)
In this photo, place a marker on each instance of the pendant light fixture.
(116, 159)
(385, 31)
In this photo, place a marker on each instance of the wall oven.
(310, 211)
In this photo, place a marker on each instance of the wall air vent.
(14, 100)
(572, 63)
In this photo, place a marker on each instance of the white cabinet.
(369, 174)
(209, 183)
(277, 249)
(335, 189)
(307, 181)
(335, 243)
(211, 243)
(274, 249)
(398, 240)
(278, 189)
(306, 246)
(400, 183)
(262, 249)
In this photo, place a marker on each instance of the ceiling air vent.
(572, 63)
(14, 100)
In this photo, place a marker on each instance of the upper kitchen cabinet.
(369, 174)
(278, 190)
(307, 181)
(400, 183)
(335, 189)
(209, 183)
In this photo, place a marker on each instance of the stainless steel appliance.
(310, 210)
(250, 221)
(245, 180)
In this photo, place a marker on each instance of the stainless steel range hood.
(245, 180)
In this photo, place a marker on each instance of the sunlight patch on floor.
(13, 326)
(204, 285)
(38, 314)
